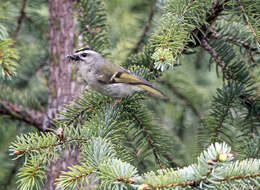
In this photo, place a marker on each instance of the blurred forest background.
(191, 84)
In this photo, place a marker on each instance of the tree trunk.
(62, 83)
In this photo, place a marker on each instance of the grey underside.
(117, 90)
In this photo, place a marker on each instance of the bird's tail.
(153, 91)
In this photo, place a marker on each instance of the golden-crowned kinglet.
(108, 78)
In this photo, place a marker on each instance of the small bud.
(130, 180)
(162, 59)
(90, 109)
(60, 133)
(222, 157)
(210, 162)
(143, 187)
(17, 152)
(9, 72)
(230, 155)
(98, 30)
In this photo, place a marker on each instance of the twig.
(247, 20)
(172, 163)
(27, 115)
(193, 183)
(222, 119)
(229, 74)
(87, 109)
(211, 17)
(146, 29)
(217, 59)
(19, 21)
(150, 141)
(213, 53)
(55, 144)
(141, 163)
(182, 97)
(246, 45)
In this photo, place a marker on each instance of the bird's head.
(85, 55)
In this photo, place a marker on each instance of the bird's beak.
(73, 57)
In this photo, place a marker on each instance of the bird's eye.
(84, 54)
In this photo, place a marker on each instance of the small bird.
(108, 78)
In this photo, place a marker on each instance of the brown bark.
(62, 85)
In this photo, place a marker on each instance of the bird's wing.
(125, 76)
(111, 73)
(121, 75)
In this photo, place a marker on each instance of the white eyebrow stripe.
(83, 49)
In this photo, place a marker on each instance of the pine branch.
(150, 141)
(213, 53)
(19, 21)
(136, 151)
(27, 115)
(245, 44)
(8, 56)
(58, 142)
(86, 103)
(146, 28)
(214, 167)
(182, 30)
(222, 119)
(192, 183)
(247, 20)
(186, 100)
(74, 176)
(230, 75)
(239, 177)
(211, 17)
(5, 68)
(215, 56)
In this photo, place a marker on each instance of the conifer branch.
(55, 144)
(80, 173)
(171, 161)
(213, 53)
(217, 59)
(211, 17)
(184, 98)
(146, 29)
(245, 44)
(2, 58)
(135, 150)
(86, 110)
(27, 115)
(150, 141)
(247, 20)
(8, 56)
(19, 21)
(222, 119)
(193, 183)
(246, 176)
